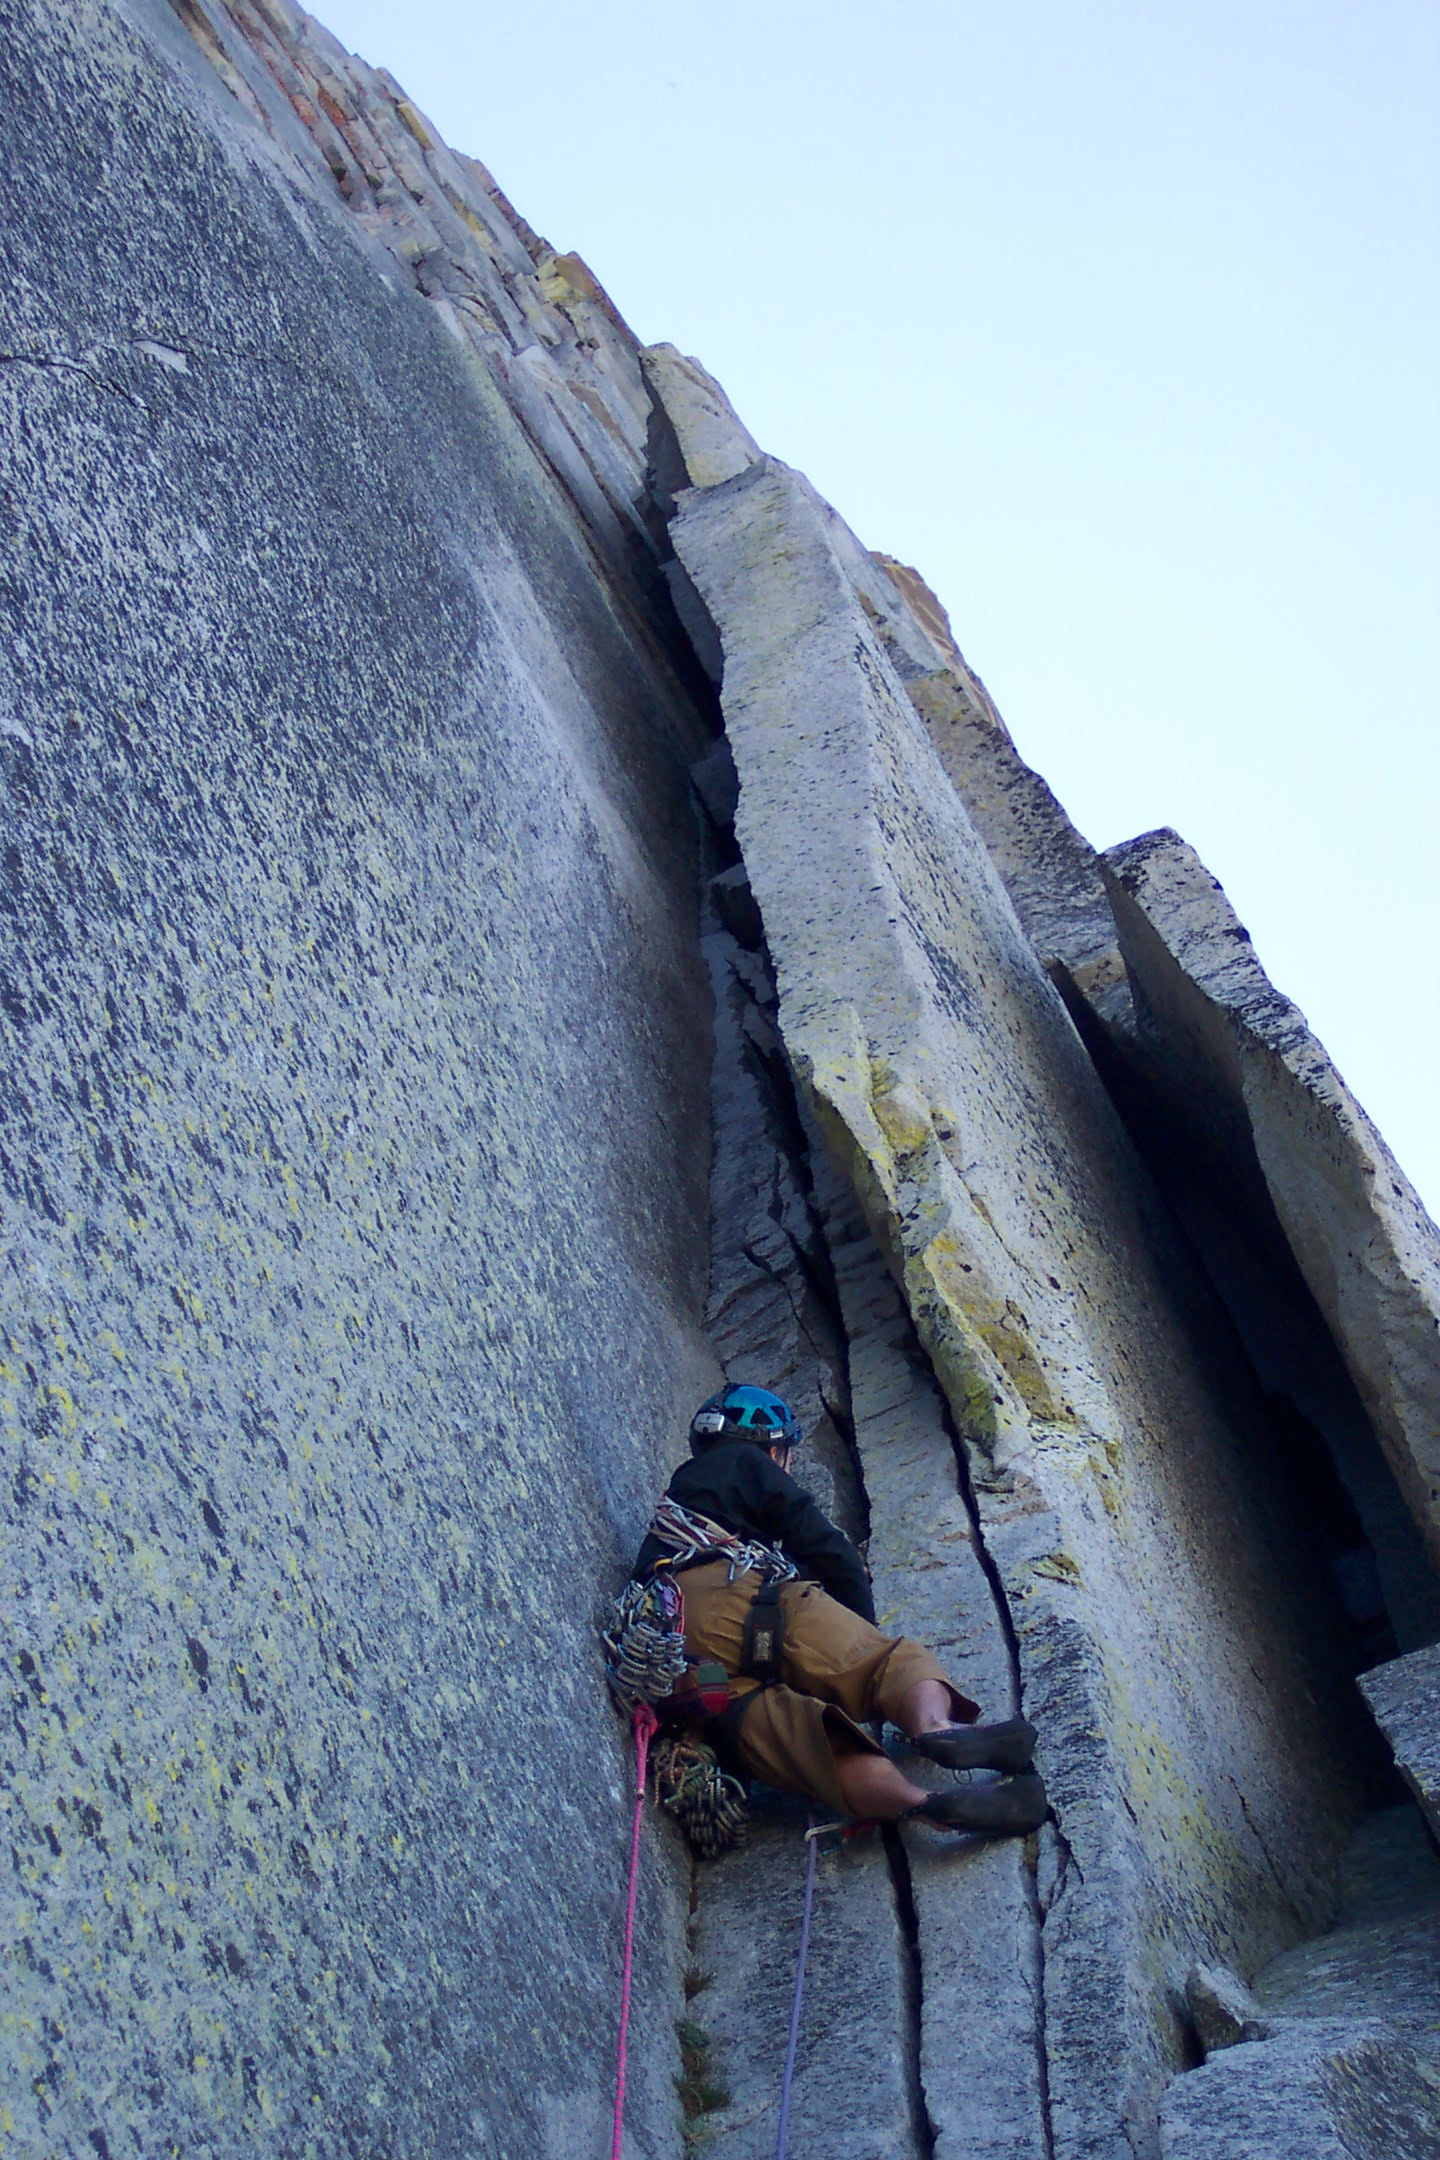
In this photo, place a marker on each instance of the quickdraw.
(645, 1641)
(692, 1536)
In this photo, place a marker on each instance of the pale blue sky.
(1122, 323)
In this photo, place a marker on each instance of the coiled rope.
(708, 1804)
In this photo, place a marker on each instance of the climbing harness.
(693, 1538)
(643, 1723)
(646, 1664)
(645, 1641)
(708, 1804)
(812, 1847)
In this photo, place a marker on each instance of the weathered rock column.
(981, 2053)
(1246, 1074)
(1094, 1384)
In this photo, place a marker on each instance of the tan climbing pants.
(836, 1669)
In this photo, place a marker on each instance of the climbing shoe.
(1008, 1746)
(1008, 1808)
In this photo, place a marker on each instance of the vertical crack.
(913, 1980)
(844, 1424)
(768, 1226)
(810, 1267)
(815, 1268)
(1042, 2044)
(1286, 1894)
(988, 1566)
(1000, 1597)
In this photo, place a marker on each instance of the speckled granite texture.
(1196, 1725)
(430, 1055)
(355, 1137)
(1347, 2062)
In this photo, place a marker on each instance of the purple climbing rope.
(643, 1722)
(812, 1836)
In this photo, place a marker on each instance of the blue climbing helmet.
(745, 1413)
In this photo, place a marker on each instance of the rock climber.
(780, 1598)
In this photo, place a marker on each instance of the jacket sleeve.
(810, 1539)
(650, 1551)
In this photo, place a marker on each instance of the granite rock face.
(1222, 2009)
(1004, 1208)
(701, 438)
(854, 2090)
(772, 1312)
(1051, 873)
(1213, 1029)
(980, 2044)
(1349, 2026)
(442, 1039)
(1316, 2094)
(355, 1149)
(1405, 1697)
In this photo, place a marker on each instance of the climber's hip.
(837, 1672)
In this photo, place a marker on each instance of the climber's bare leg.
(927, 1716)
(926, 1707)
(874, 1790)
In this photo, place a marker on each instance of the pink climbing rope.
(643, 1723)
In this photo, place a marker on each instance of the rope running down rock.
(643, 1723)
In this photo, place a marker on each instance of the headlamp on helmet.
(745, 1413)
